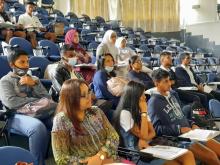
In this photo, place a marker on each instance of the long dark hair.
(129, 101)
(101, 62)
(69, 102)
(131, 61)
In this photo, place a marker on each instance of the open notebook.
(165, 152)
(200, 135)
(86, 65)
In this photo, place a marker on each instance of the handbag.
(41, 109)
(116, 85)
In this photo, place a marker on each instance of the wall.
(206, 12)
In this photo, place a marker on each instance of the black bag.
(201, 116)
(164, 141)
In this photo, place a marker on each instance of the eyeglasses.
(86, 96)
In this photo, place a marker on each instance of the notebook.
(200, 135)
(188, 88)
(86, 65)
(165, 152)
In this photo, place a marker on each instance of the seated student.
(133, 125)
(33, 25)
(186, 96)
(108, 45)
(18, 89)
(168, 119)
(186, 77)
(72, 38)
(124, 55)
(81, 133)
(136, 74)
(105, 71)
(64, 69)
(8, 33)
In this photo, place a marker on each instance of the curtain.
(150, 15)
(92, 8)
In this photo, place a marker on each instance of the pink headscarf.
(69, 36)
(69, 40)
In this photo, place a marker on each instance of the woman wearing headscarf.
(124, 52)
(72, 38)
(108, 45)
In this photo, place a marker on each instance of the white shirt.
(29, 21)
(126, 120)
(189, 72)
(166, 69)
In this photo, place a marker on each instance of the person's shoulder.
(6, 77)
(60, 119)
(22, 16)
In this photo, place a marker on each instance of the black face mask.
(20, 71)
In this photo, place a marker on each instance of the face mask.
(72, 61)
(109, 68)
(19, 71)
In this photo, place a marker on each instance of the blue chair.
(23, 45)
(4, 66)
(53, 49)
(10, 155)
(214, 108)
(19, 7)
(42, 63)
(158, 49)
(99, 19)
(47, 4)
(93, 47)
(42, 11)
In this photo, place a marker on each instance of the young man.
(185, 96)
(64, 70)
(18, 89)
(168, 119)
(33, 25)
(186, 77)
(5, 32)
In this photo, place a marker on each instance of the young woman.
(105, 71)
(133, 125)
(136, 74)
(108, 45)
(72, 38)
(81, 134)
(124, 52)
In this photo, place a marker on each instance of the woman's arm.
(112, 138)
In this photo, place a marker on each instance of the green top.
(96, 134)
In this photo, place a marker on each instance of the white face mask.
(72, 61)
(109, 68)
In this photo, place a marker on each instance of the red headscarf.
(69, 40)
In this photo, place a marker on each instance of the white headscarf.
(119, 41)
(107, 40)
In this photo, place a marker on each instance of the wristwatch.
(144, 114)
(101, 156)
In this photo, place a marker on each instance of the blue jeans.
(37, 131)
(130, 142)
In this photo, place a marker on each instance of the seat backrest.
(10, 155)
(53, 48)
(23, 44)
(40, 62)
(47, 2)
(4, 66)
(214, 107)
